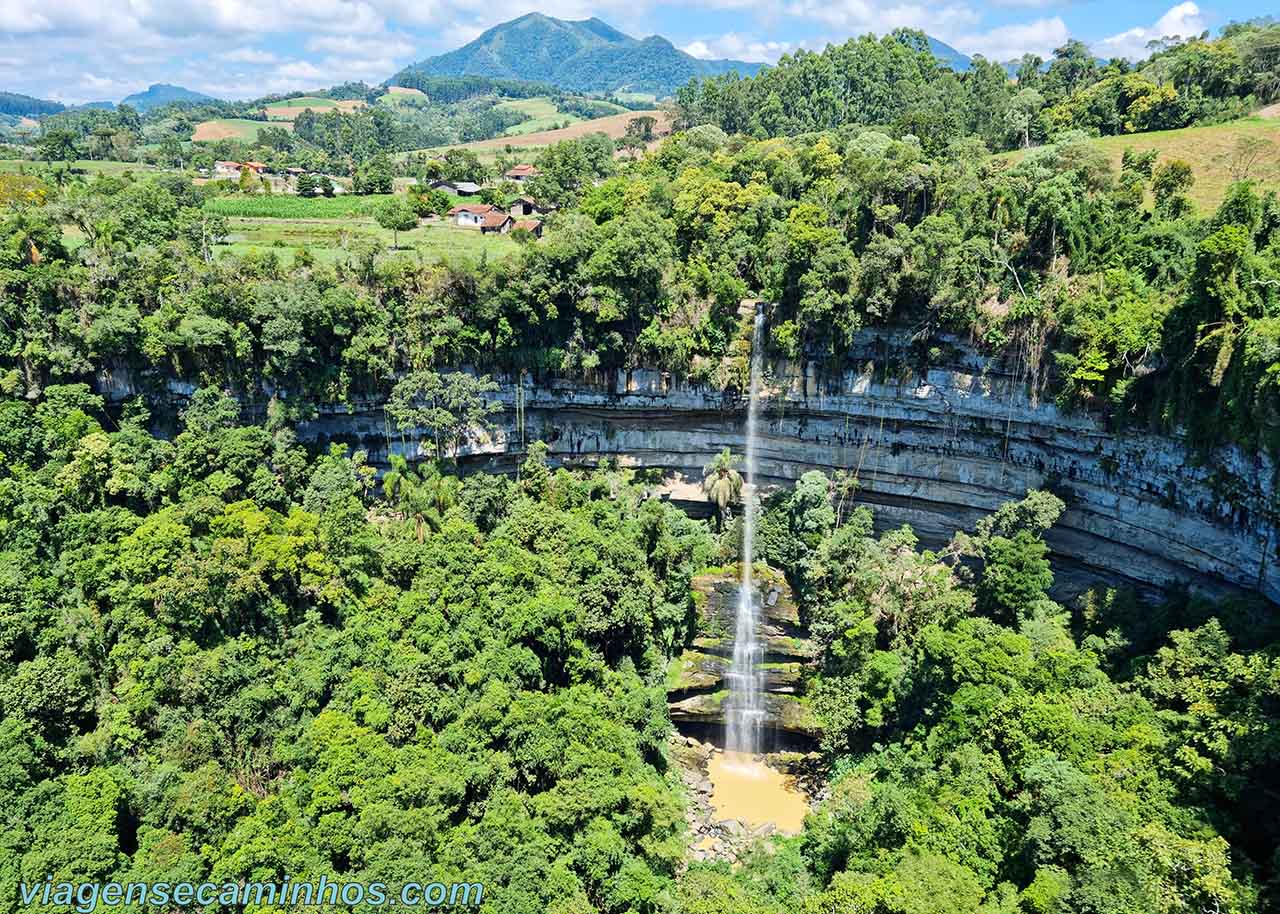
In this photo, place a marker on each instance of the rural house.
(532, 226)
(483, 216)
(521, 173)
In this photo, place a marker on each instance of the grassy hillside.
(639, 98)
(85, 166)
(542, 113)
(288, 206)
(398, 96)
(329, 239)
(1208, 150)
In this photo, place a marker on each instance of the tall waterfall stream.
(744, 787)
(745, 711)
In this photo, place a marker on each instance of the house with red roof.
(521, 173)
(483, 216)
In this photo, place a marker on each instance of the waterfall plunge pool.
(743, 787)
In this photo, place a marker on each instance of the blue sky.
(81, 50)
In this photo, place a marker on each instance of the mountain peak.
(604, 30)
(159, 94)
(586, 55)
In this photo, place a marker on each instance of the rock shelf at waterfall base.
(730, 806)
(697, 680)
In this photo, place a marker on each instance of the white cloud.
(1028, 4)
(381, 47)
(301, 70)
(92, 81)
(1183, 20)
(19, 17)
(1009, 42)
(739, 47)
(243, 17)
(249, 55)
(859, 16)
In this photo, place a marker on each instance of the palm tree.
(722, 483)
(440, 493)
(424, 497)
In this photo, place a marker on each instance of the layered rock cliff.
(935, 447)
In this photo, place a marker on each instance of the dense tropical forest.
(226, 656)
(896, 80)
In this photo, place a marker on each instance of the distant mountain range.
(162, 94)
(583, 56)
(586, 55)
(948, 55)
(18, 105)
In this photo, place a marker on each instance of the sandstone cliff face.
(935, 449)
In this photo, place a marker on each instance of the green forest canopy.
(225, 657)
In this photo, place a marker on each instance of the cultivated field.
(331, 239)
(232, 128)
(290, 108)
(1208, 150)
(615, 126)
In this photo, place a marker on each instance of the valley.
(624, 479)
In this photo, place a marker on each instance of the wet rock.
(697, 680)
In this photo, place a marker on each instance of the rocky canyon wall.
(936, 448)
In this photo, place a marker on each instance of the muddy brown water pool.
(743, 787)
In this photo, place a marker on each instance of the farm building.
(527, 206)
(461, 188)
(496, 222)
(532, 226)
(521, 173)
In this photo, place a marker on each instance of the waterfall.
(745, 711)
